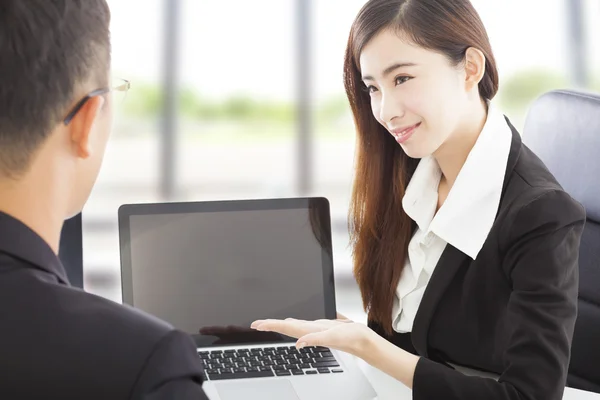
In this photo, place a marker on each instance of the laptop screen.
(212, 268)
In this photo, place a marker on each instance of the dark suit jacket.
(512, 310)
(58, 342)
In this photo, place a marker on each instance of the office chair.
(71, 250)
(563, 129)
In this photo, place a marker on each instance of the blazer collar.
(450, 262)
(20, 242)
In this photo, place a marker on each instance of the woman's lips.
(403, 134)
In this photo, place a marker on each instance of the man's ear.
(474, 67)
(80, 127)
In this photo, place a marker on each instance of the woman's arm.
(389, 358)
(541, 258)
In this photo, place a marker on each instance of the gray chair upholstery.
(563, 129)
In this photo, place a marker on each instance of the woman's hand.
(350, 337)
(341, 334)
(342, 317)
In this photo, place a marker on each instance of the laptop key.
(325, 364)
(283, 373)
(324, 355)
(324, 359)
(239, 370)
(311, 372)
(337, 370)
(297, 372)
(323, 370)
(258, 374)
(264, 368)
(305, 366)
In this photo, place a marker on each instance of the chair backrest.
(563, 129)
(71, 250)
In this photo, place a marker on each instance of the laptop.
(212, 268)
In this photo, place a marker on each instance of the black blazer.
(58, 342)
(512, 310)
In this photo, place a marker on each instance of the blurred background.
(244, 99)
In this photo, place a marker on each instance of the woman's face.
(416, 94)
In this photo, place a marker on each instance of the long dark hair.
(380, 229)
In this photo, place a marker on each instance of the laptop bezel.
(321, 205)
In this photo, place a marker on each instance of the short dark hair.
(47, 48)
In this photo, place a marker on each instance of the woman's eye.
(401, 79)
(371, 89)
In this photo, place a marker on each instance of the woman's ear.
(474, 67)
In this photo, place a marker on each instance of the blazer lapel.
(513, 156)
(449, 263)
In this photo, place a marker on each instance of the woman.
(465, 246)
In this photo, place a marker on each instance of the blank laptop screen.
(211, 273)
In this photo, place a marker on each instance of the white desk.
(388, 388)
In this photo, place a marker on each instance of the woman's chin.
(415, 152)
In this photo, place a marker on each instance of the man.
(58, 342)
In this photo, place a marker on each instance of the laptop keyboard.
(266, 362)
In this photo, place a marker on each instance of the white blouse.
(464, 220)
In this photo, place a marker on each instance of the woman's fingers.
(325, 338)
(292, 328)
(342, 317)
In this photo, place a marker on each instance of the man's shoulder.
(71, 333)
(100, 315)
(155, 351)
(85, 318)
(71, 312)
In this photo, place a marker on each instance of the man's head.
(53, 53)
